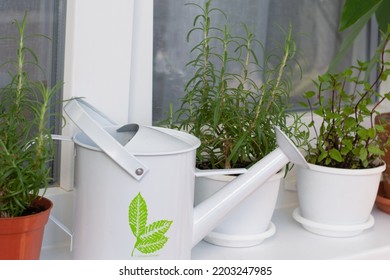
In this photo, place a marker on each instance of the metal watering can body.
(134, 195)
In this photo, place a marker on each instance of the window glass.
(314, 23)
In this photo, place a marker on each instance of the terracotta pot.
(382, 202)
(384, 118)
(386, 182)
(21, 237)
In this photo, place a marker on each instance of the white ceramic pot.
(336, 202)
(250, 223)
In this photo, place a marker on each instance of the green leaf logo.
(149, 238)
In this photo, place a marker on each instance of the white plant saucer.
(332, 230)
(237, 241)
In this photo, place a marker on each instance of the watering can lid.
(149, 140)
(121, 144)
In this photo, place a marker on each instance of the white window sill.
(291, 241)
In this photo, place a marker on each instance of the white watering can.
(134, 188)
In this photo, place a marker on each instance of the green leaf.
(319, 112)
(380, 128)
(152, 244)
(138, 215)
(348, 144)
(159, 227)
(353, 10)
(322, 156)
(349, 123)
(354, 32)
(346, 147)
(324, 78)
(383, 15)
(344, 151)
(149, 238)
(371, 132)
(309, 94)
(375, 150)
(363, 154)
(303, 104)
(348, 111)
(362, 133)
(336, 155)
(154, 239)
(238, 146)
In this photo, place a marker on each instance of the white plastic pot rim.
(344, 171)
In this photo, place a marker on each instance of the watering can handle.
(76, 110)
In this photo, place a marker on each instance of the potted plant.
(383, 198)
(26, 147)
(337, 192)
(232, 103)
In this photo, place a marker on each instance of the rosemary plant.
(233, 101)
(26, 146)
(343, 139)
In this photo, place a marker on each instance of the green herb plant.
(233, 101)
(149, 237)
(26, 146)
(347, 104)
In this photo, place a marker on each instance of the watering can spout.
(209, 213)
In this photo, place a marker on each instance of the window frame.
(132, 36)
(98, 66)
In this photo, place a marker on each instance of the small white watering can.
(134, 188)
